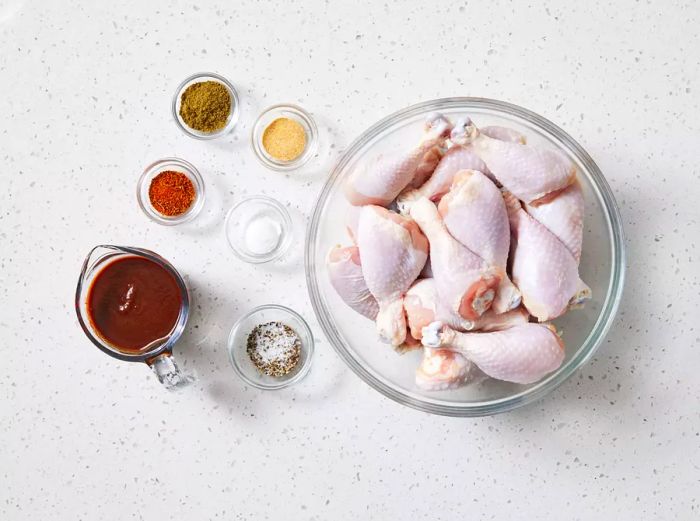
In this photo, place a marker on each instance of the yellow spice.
(284, 139)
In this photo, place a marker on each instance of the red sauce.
(132, 302)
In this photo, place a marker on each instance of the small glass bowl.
(242, 214)
(295, 113)
(237, 344)
(232, 117)
(178, 165)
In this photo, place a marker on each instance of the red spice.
(171, 193)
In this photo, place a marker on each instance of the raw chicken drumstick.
(465, 283)
(442, 369)
(461, 158)
(455, 159)
(345, 273)
(423, 306)
(381, 181)
(474, 213)
(393, 252)
(530, 173)
(542, 267)
(504, 134)
(563, 216)
(522, 354)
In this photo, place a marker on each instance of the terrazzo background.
(85, 89)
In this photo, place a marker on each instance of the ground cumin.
(205, 106)
(171, 193)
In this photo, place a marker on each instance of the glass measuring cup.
(158, 353)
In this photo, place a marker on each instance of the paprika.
(171, 193)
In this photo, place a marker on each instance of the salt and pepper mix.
(274, 348)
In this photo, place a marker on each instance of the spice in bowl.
(271, 347)
(171, 193)
(274, 348)
(205, 106)
(284, 139)
(263, 235)
(258, 229)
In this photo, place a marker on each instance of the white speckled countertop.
(85, 91)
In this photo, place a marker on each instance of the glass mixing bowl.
(355, 338)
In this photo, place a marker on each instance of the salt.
(262, 235)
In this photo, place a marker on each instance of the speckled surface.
(85, 105)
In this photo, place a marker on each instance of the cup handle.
(168, 373)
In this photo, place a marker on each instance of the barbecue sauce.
(133, 302)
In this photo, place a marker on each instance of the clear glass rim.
(89, 266)
(311, 145)
(287, 231)
(146, 205)
(594, 338)
(232, 118)
(303, 370)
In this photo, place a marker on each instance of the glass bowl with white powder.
(271, 347)
(258, 229)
